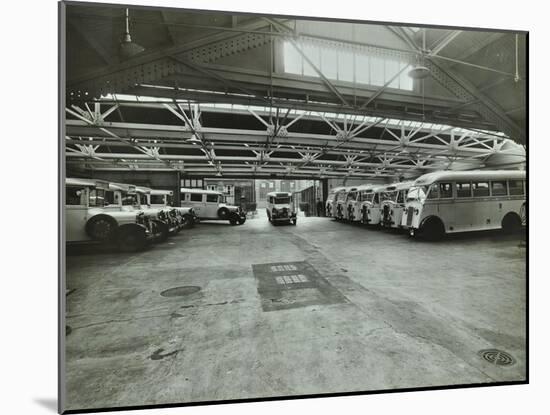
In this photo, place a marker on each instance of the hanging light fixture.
(128, 48)
(419, 70)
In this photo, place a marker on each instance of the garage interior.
(247, 104)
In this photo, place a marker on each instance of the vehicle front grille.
(410, 213)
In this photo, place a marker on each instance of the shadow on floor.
(48, 403)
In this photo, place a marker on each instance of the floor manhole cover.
(180, 291)
(497, 357)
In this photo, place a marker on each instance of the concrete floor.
(399, 313)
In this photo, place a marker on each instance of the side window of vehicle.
(96, 197)
(515, 187)
(434, 191)
(73, 196)
(196, 197)
(498, 188)
(445, 190)
(110, 198)
(463, 189)
(480, 189)
(376, 199)
(212, 198)
(401, 196)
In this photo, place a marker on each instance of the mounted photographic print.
(264, 207)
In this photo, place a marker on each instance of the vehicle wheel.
(233, 219)
(101, 228)
(433, 229)
(187, 222)
(241, 221)
(161, 231)
(511, 223)
(131, 240)
(294, 221)
(223, 213)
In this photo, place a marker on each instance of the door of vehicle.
(76, 213)
(211, 205)
(197, 202)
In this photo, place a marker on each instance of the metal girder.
(466, 91)
(404, 36)
(452, 35)
(79, 26)
(156, 65)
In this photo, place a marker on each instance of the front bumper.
(282, 216)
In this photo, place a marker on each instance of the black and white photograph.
(272, 206)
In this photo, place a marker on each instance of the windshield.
(366, 197)
(282, 200)
(142, 199)
(352, 196)
(387, 196)
(417, 193)
(157, 199)
(130, 200)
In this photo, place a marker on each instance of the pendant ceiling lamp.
(127, 47)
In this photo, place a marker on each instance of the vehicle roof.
(336, 189)
(435, 176)
(143, 189)
(208, 192)
(367, 187)
(399, 185)
(279, 194)
(122, 186)
(69, 181)
(161, 192)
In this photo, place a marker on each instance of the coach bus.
(339, 206)
(331, 199)
(392, 202)
(445, 202)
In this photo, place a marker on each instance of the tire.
(187, 222)
(241, 221)
(162, 231)
(223, 213)
(294, 222)
(131, 240)
(101, 228)
(433, 229)
(511, 223)
(233, 220)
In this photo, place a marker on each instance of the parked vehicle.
(126, 197)
(460, 201)
(392, 202)
(350, 204)
(86, 218)
(340, 203)
(372, 208)
(163, 199)
(365, 198)
(280, 207)
(331, 199)
(210, 205)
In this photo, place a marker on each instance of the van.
(280, 207)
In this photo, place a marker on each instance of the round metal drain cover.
(497, 357)
(180, 291)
